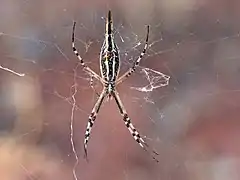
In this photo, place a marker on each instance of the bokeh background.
(193, 122)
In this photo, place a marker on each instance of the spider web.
(190, 71)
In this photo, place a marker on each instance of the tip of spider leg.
(147, 146)
(74, 25)
(85, 154)
(155, 159)
(152, 154)
(155, 152)
(148, 27)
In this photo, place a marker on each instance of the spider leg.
(85, 67)
(91, 119)
(136, 63)
(131, 128)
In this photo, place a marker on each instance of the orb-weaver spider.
(109, 67)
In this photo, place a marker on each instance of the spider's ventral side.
(109, 57)
(109, 67)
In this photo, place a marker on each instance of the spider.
(109, 67)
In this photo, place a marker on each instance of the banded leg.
(131, 128)
(85, 67)
(91, 119)
(136, 63)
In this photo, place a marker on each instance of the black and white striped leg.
(136, 63)
(137, 137)
(85, 67)
(92, 118)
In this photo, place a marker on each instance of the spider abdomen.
(109, 55)
(109, 65)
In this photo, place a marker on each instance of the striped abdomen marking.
(109, 56)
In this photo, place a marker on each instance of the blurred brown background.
(193, 123)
